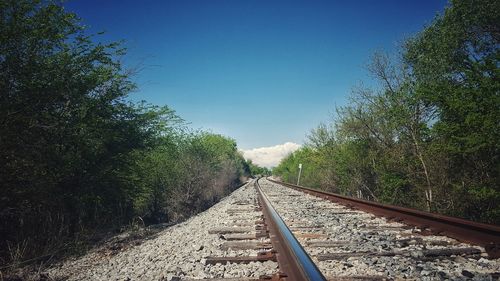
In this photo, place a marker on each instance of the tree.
(427, 135)
(256, 170)
(76, 157)
(455, 62)
(67, 133)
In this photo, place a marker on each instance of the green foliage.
(427, 136)
(186, 173)
(76, 158)
(66, 129)
(288, 169)
(256, 170)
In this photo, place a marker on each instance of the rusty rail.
(485, 235)
(293, 261)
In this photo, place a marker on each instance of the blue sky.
(261, 72)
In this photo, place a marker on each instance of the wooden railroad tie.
(261, 257)
(430, 253)
(225, 230)
(261, 278)
(236, 237)
(310, 235)
(246, 245)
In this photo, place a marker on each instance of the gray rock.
(467, 274)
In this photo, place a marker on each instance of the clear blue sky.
(262, 72)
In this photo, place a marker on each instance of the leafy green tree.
(427, 135)
(256, 170)
(186, 173)
(455, 61)
(68, 136)
(288, 169)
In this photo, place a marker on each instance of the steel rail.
(294, 263)
(485, 235)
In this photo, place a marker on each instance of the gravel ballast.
(179, 251)
(342, 242)
(350, 243)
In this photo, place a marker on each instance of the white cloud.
(270, 156)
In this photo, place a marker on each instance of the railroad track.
(312, 238)
(347, 243)
(487, 236)
(271, 238)
(268, 231)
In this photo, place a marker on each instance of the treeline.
(186, 173)
(77, 158)
(256, 170)
(427, 136)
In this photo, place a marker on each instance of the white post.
(300, 172)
